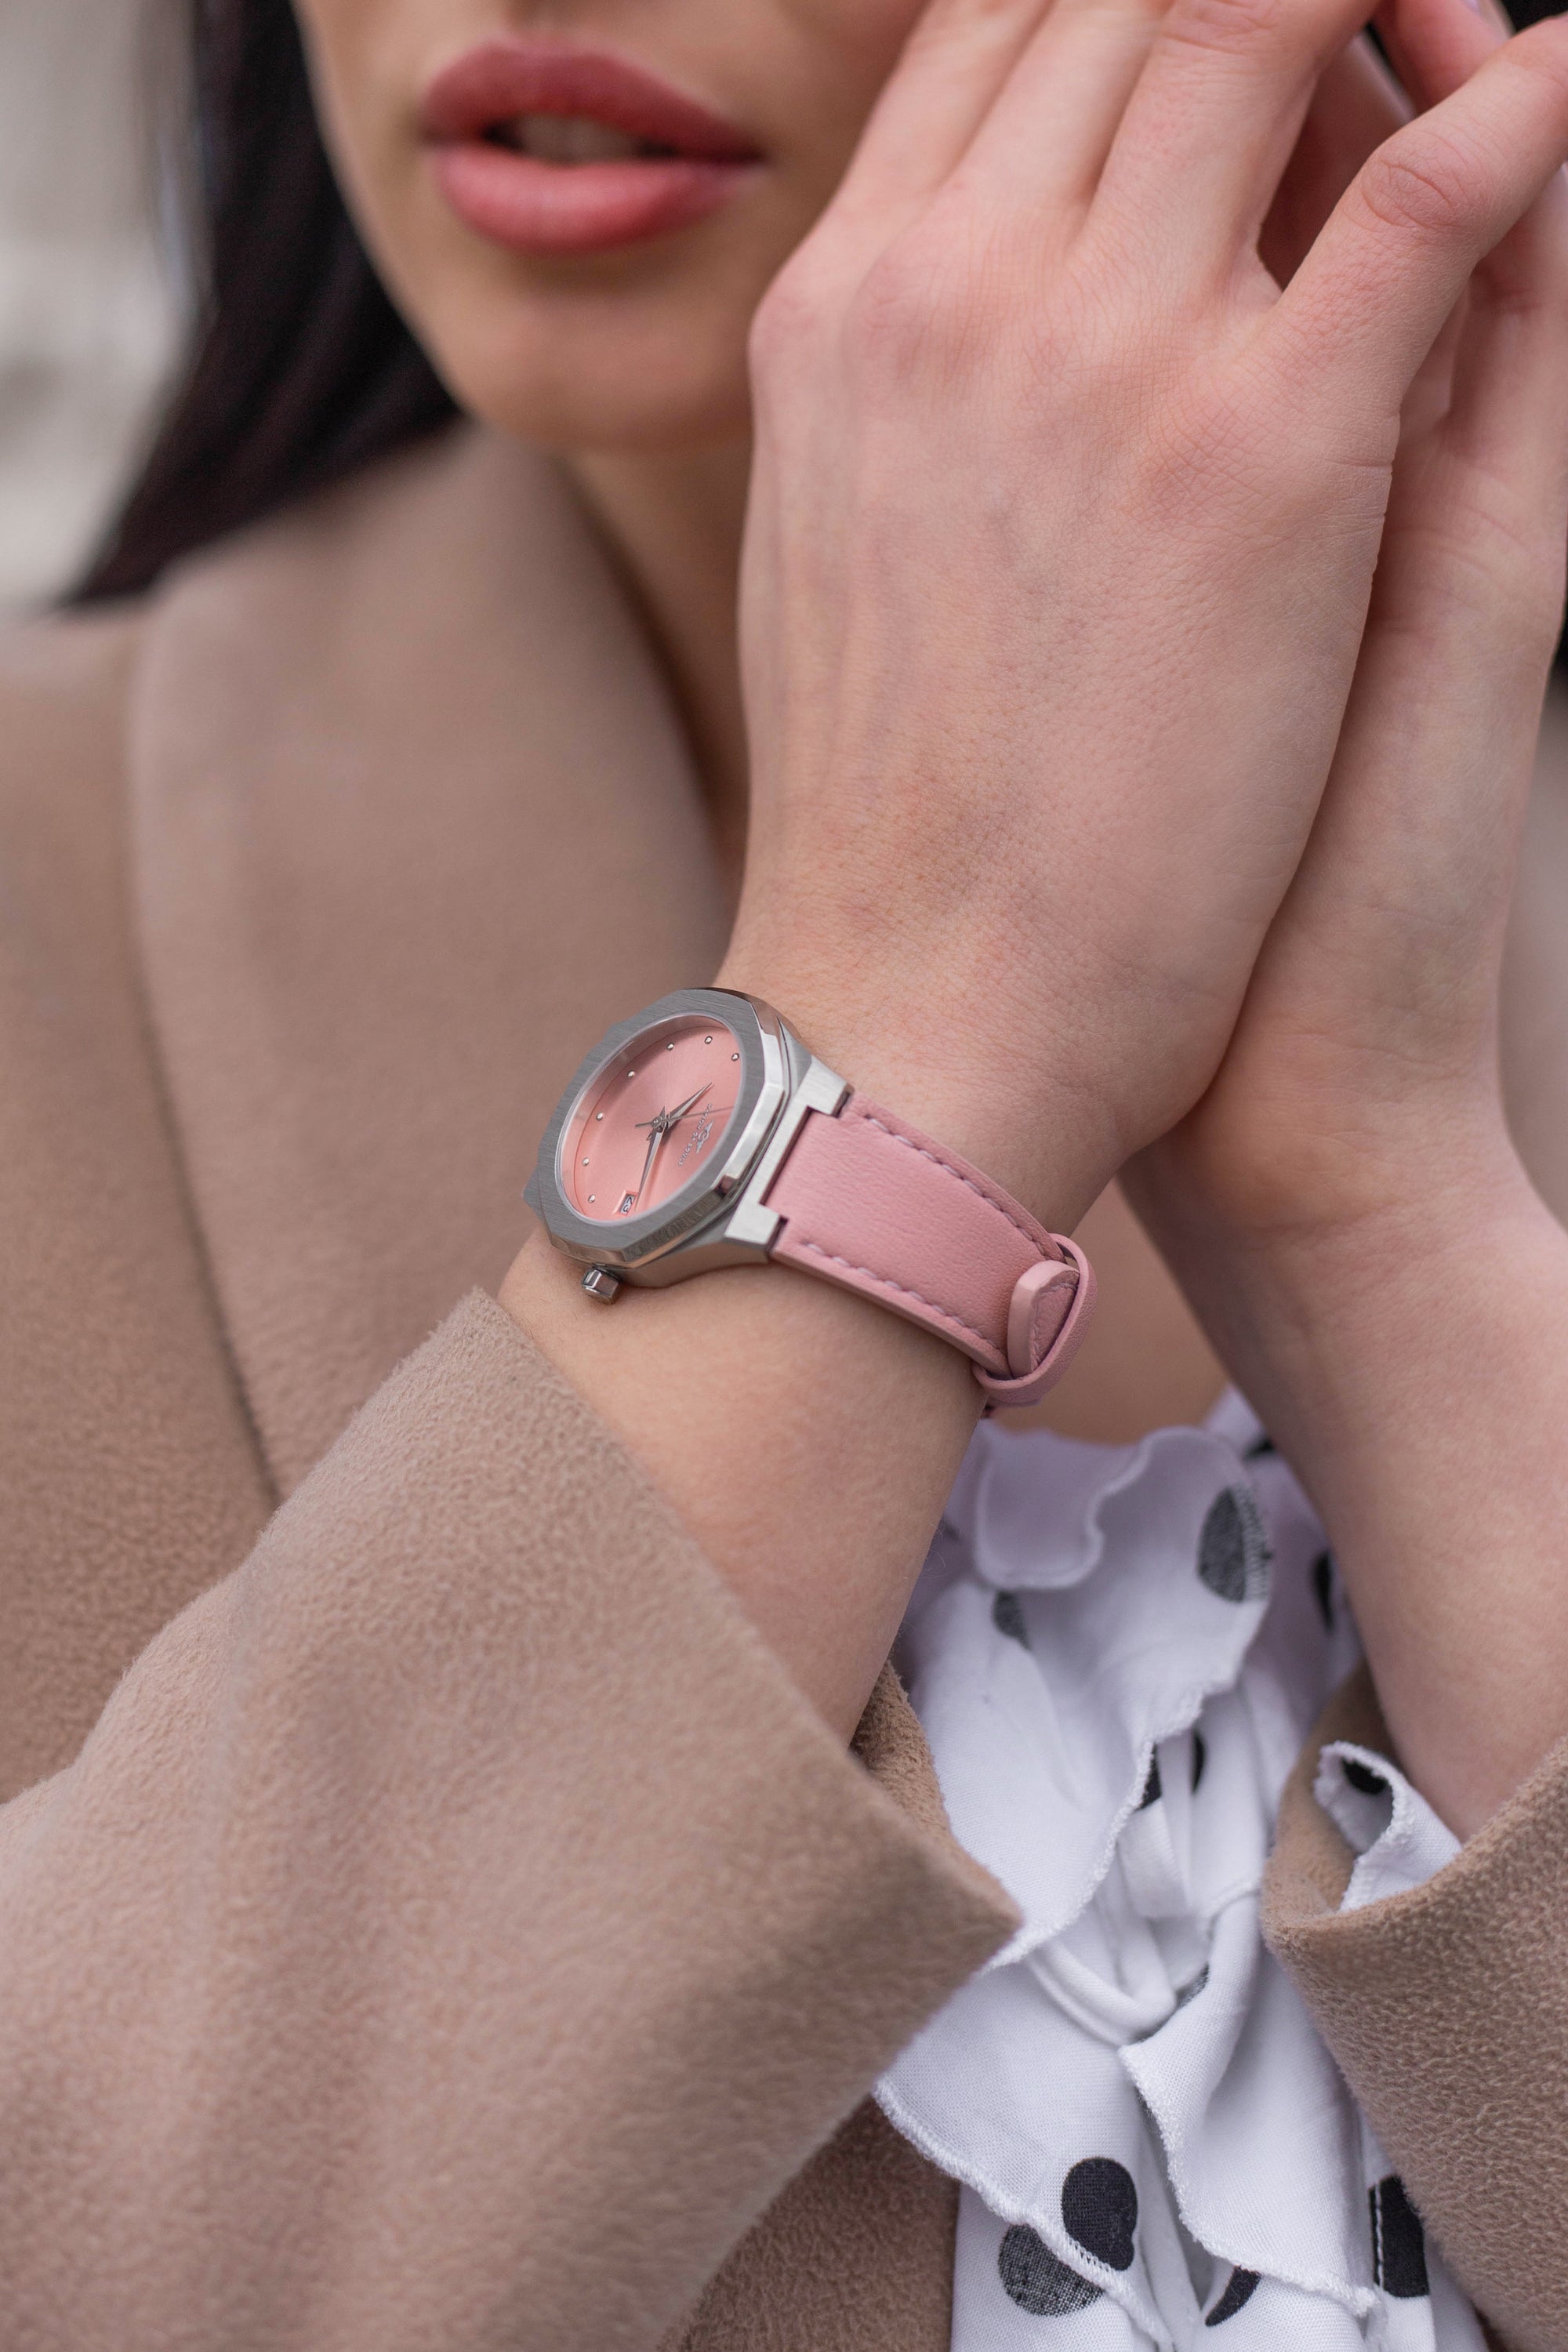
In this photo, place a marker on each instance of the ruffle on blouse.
(1117, 1654)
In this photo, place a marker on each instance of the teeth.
(571, 139)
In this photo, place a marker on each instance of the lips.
(549, 149)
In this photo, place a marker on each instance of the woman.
(461, 1923)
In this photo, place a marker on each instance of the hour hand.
(659, 1132)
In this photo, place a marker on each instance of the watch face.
(651, 1119)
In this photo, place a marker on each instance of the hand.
(1344, 1205)
(1356, 1123)
(1064, 520)
(1360, 1089)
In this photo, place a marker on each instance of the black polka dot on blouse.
(1036, 2281)
(1008, 1616)
(1239, 2292)
(1155, 1788)
(1234, 1551)
(1099, 2208)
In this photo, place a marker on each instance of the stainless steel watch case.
(720, 1217)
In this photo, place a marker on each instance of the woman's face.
(578, 204)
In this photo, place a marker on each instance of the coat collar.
(414, 820)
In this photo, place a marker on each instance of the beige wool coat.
(430, 1921)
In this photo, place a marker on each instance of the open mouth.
(552, 149)
(575, 139)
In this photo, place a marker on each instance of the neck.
(674, 524)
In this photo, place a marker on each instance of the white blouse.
(1117, 1654)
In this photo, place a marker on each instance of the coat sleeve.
(1447, 2011)
(457, 1929)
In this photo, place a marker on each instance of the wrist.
(1401, 1242)
(1340, 1324)
(1249, 1197)
(1411, 1371)
(1046, 1143)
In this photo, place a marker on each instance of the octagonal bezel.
(763, 1090)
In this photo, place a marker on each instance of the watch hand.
(661, 1124)
(667, 1118)
(659, 1132)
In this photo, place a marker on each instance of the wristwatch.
(703, 1133)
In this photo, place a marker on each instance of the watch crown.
(600, 1283)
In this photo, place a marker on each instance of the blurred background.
(90, 297)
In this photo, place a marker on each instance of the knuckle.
(928, 306)
(1427, 189)
(918, 301)
(892, 318)
(793, 317)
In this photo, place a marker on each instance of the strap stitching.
(948, 1170)
(887, 1282)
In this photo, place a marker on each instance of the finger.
(1209, 129)
(1046, 139)
(1505, 431)
(1431, 772)
(956, 60)
(1431, 394)
(1507, 409)
(1370, 300)
(1355, 107)
(1434, 47)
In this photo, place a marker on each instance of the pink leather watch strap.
(870, 1203)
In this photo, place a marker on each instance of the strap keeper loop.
(1047, 1319)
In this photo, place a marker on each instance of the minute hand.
(661, 1122)
(667, 1118)
(682, 1108)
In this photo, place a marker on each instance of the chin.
(600, 373)
(639, 349)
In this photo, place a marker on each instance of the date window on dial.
(627, 1205)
